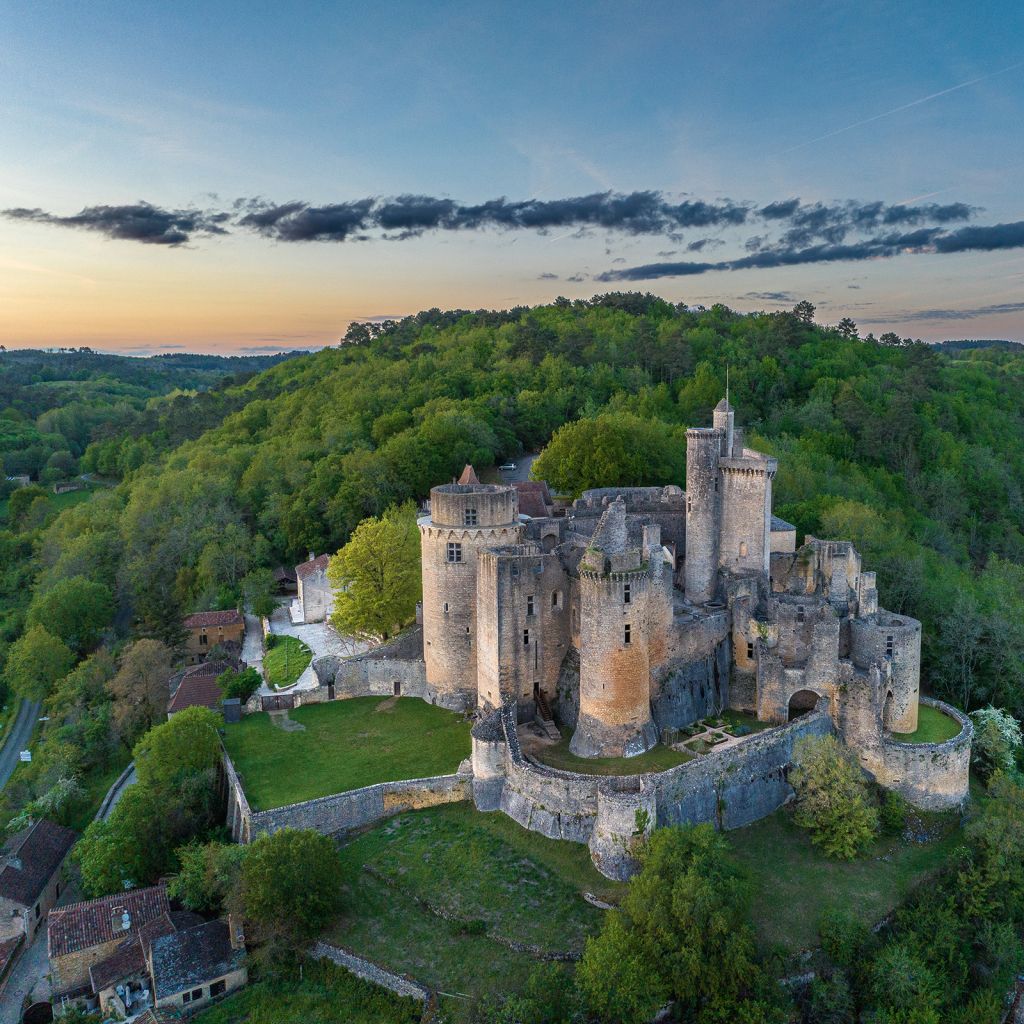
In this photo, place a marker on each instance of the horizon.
(242, 184)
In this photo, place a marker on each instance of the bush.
(242, 684)
(997, 741)
(892, 812)
(833, 799)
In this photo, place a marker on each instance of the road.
(17, 739)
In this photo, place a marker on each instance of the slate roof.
(160, 1015)
(231, 617)
(198, 688)
(313, 565)
(781, 526)
(193, 957)
(79, 926)
(723, 406)
(39, 850)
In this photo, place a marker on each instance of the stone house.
(31, 877)
(207, 630)
(82, 935)
(197, 687)
(315, 599)
(192, 968)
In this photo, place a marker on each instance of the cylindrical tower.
(894, 640)
(703, 512)
(464, 519)
(615, 674)
(723, 418)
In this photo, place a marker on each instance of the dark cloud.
(299, 222)
(140, 222)
(952, 314)
(576, 278)
(995, 236)
(547, 277)
(771, 296)
(856, 287)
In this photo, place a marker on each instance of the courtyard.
(330, 748)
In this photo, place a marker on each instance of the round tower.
(464, 519)
(723, 418)
(703, 512)
(893, 640)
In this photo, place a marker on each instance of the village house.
(315, 599)
(31, 878)
(197, 687)
(82, 935)
(191, 968)
(207, 630)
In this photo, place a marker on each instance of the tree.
(140, 687)
(36, 661)
(376, 575)
(847, 329)
(186, 746)
(682, 933)
(997, 740)
(804, 312)
(75, 609)
(241, 684)
(20, 503)
(832, 797)
(291, 883)
(258, 589)
(209, 874)
(613, 450)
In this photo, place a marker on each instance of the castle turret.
(464, 519)
(703, 512)
(615, 679)
(723, 418)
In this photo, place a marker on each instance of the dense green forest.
(53, 404)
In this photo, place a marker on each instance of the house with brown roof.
(81, 935)
(315, 599)
(191, 968)
(207, 630)
(197, 687)
(32, 877)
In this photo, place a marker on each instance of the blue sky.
(198, 105)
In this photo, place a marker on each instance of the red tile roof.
(79, 926)
(232, 617)
(40, 851)
(534, 498)
(198, 688)
(469, 475)
(312, 566)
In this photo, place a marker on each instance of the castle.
(642, 610)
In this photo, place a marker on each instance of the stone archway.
(802, 702)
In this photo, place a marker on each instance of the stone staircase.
(545, 719)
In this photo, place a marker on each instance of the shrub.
(242, 684)
(892, 812)
(997, 741)
(833, 799)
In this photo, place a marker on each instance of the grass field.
(657, 759)
(796, 883)
(286, 661)
(326, 994)
(496, 877)
(57, 501)
(344, 745)
(932, 727)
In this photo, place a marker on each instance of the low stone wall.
(369, 971)
(343, 812)
(932, 776)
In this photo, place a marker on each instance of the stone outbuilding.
(32, 876)
(315, 599)
(192, 968)
(207, 630)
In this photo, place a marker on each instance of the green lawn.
(739, 720)
(498, 878)
(344, 745)
(286, 661)
(57, 501)
(796, 882)
(932, 727)
(657, 759)
(326, 994)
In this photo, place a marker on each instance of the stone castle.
(642, 610)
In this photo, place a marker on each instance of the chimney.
(236, 932)
(312, 555)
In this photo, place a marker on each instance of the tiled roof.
(131, 956)
(313, 565)
(39, 852)
(231, 617)
(193, 957)
(468, 475)
(534, 498)
(160, 1015)
(198, 689)
(82, 925)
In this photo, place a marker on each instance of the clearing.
(500, 883)
(558, 755)
(796, 882)
(932, 727)
(344, 744)
(285, 661)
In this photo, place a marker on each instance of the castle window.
(575, 620)
(471, 517)
(467, 631)
(446, 607)
(454, 551)
(626, 596)
(689, 504)
(743, 549)
(556, 599)
(526, 638)
(750, 650)
(800, 614)
(529, 605)
(626, 634)
(888, 646)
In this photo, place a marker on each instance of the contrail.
(905, 106)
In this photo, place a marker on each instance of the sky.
(250, 177)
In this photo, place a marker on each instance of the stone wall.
(369, 971)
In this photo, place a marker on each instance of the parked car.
(508, 467)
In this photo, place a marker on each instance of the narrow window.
(556, 598)
(575, 620)
(526, 638)
(689, 504)
(743, 549)
(626, 596)
(800, 614)
(471, 517)
(750, 651)
(446, 607)
(626, 633)
(888, 647)
(454, 551)
(203, 640)
(529, 605)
